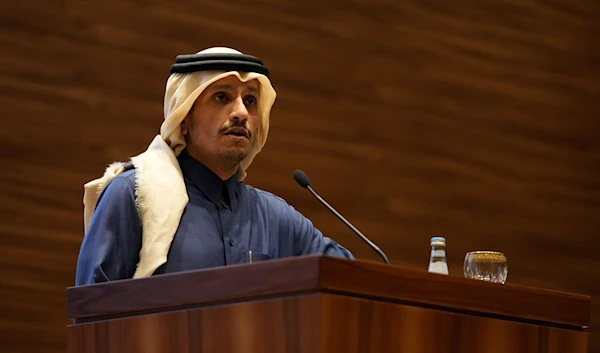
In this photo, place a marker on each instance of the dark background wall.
(473, 120)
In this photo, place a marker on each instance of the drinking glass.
(490, 266)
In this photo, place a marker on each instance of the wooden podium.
(322, 304)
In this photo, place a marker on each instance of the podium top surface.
(314, 274)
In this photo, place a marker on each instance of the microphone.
(302, 179)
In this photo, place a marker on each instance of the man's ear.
(185, 125)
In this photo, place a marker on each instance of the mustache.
(235, 123)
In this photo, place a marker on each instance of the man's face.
(223, 122)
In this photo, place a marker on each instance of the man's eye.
(220, 96)
(250, 100)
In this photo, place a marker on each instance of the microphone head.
(301, 178)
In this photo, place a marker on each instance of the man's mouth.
(238, 131)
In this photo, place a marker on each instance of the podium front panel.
(319, 322)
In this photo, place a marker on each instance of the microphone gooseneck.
(302, 179)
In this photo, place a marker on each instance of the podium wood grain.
(323, 304)
(315, 323)
(311, 274)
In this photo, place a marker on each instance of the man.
(181, 205)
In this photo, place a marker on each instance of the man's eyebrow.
(228, 87)
(253, 89)
(222, 86)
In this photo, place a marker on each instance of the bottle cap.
(438, 241)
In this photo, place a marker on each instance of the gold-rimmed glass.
(490, 266)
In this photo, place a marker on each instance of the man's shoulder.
(273, 205)
(263, 196)
(124, 180)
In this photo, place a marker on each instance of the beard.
(231, 158)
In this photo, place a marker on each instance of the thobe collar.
(221, 193)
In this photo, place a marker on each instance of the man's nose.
(239, 112)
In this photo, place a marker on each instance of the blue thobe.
(221, 223)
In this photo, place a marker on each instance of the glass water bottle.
(437, 260)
